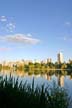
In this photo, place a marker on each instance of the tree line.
(40, 66)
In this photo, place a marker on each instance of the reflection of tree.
(26, 68)
(71, 76)
(61, 72)
(0, 67)
(64, 72)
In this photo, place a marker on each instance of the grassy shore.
(16, 94)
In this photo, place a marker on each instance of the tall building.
(60, 57)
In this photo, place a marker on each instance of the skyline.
(35, 29)
(59, 59)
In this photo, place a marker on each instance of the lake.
(62, 78)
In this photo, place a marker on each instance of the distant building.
(60, 57)
(37, 61)
(28, 61)
(44, 61)
(49, 60)
(70, 61)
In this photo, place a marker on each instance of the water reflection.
(61, 80)
(60, 75)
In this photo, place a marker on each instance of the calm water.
(63, 79)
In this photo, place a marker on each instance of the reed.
(16, 94)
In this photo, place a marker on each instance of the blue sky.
(35, 29)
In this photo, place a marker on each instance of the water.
(62, 78)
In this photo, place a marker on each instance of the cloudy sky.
(35, 29)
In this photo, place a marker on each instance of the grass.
(19, 95)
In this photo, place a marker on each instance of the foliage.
(40, 66)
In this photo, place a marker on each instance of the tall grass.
(19, 95)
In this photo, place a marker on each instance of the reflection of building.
(37, 76)
(48, 77)
(20, 73)
(60, 57)
(61, 80)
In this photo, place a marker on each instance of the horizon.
(35, 29)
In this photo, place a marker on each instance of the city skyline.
(59, 59)
(35, 29)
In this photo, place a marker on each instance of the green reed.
(16, 94)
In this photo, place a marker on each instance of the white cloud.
(7, 24)
(29, 35)
(3, 18)
(68, 23)
(10, 27)
(19, 38)
(66, 38)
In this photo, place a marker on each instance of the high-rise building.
(60, 57)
